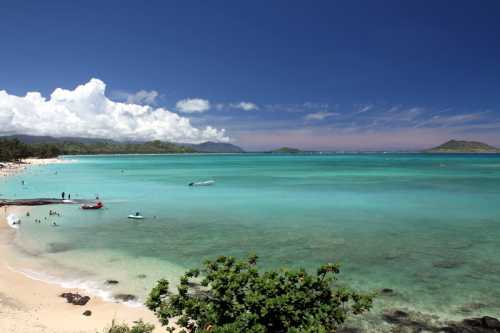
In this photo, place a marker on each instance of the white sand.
(12, 168)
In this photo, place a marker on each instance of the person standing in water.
(62, 195)
(69, 196)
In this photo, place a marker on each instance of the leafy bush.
(139, 327)
(235, 297)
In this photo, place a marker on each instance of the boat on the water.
(136, 216)
(97, 205)
(204, 183)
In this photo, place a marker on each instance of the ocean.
(425, 226)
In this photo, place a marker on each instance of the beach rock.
(87, 313)
(75, 298)
(395, 316)
(81, 301)
(387, 291)
(111, 281)
(125, 297)
(474, 325)
(406, 322)
(141, 276)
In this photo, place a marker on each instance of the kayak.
(137, 217)
(205, 183)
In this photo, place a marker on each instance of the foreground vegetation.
(138, 327)
(233, 296)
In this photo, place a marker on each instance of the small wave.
(13, 221)
(90, 287)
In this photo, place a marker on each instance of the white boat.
(205, 183)
(135, 216)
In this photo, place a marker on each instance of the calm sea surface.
(427, 227)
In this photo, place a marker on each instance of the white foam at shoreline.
(89, 287)
(13, 221)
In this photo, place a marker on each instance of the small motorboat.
(136, 216)
(204, 183)
(97, 205)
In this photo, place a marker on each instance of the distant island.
(461, 146)
(286, 150)
(16, 147)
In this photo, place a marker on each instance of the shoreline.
(13, 168)
(31, 305)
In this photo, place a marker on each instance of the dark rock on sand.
(474, 325)
(111, 281)
(76, 299)
(87, 313)
(125, 297)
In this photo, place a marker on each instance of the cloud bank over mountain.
(87, 112)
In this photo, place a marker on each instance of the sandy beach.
(28, 305)
(12, 168)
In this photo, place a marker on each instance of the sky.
(322, 75)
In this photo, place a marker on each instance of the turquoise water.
(427, 226)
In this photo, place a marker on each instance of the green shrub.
(139, 327)
(235, 297)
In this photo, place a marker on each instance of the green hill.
(286, 150)
(460, 146)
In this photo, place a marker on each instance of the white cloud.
(247, 106)
(87, 112)
(320, 115)
(142, 97)
(192, 105)
(365, 108)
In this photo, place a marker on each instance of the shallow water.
(427, 226)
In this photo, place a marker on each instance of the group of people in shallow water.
(51, 213)
(63, 196)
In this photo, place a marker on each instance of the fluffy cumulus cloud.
(87, 112)
(193, 105)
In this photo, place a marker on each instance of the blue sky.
(315, 75)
